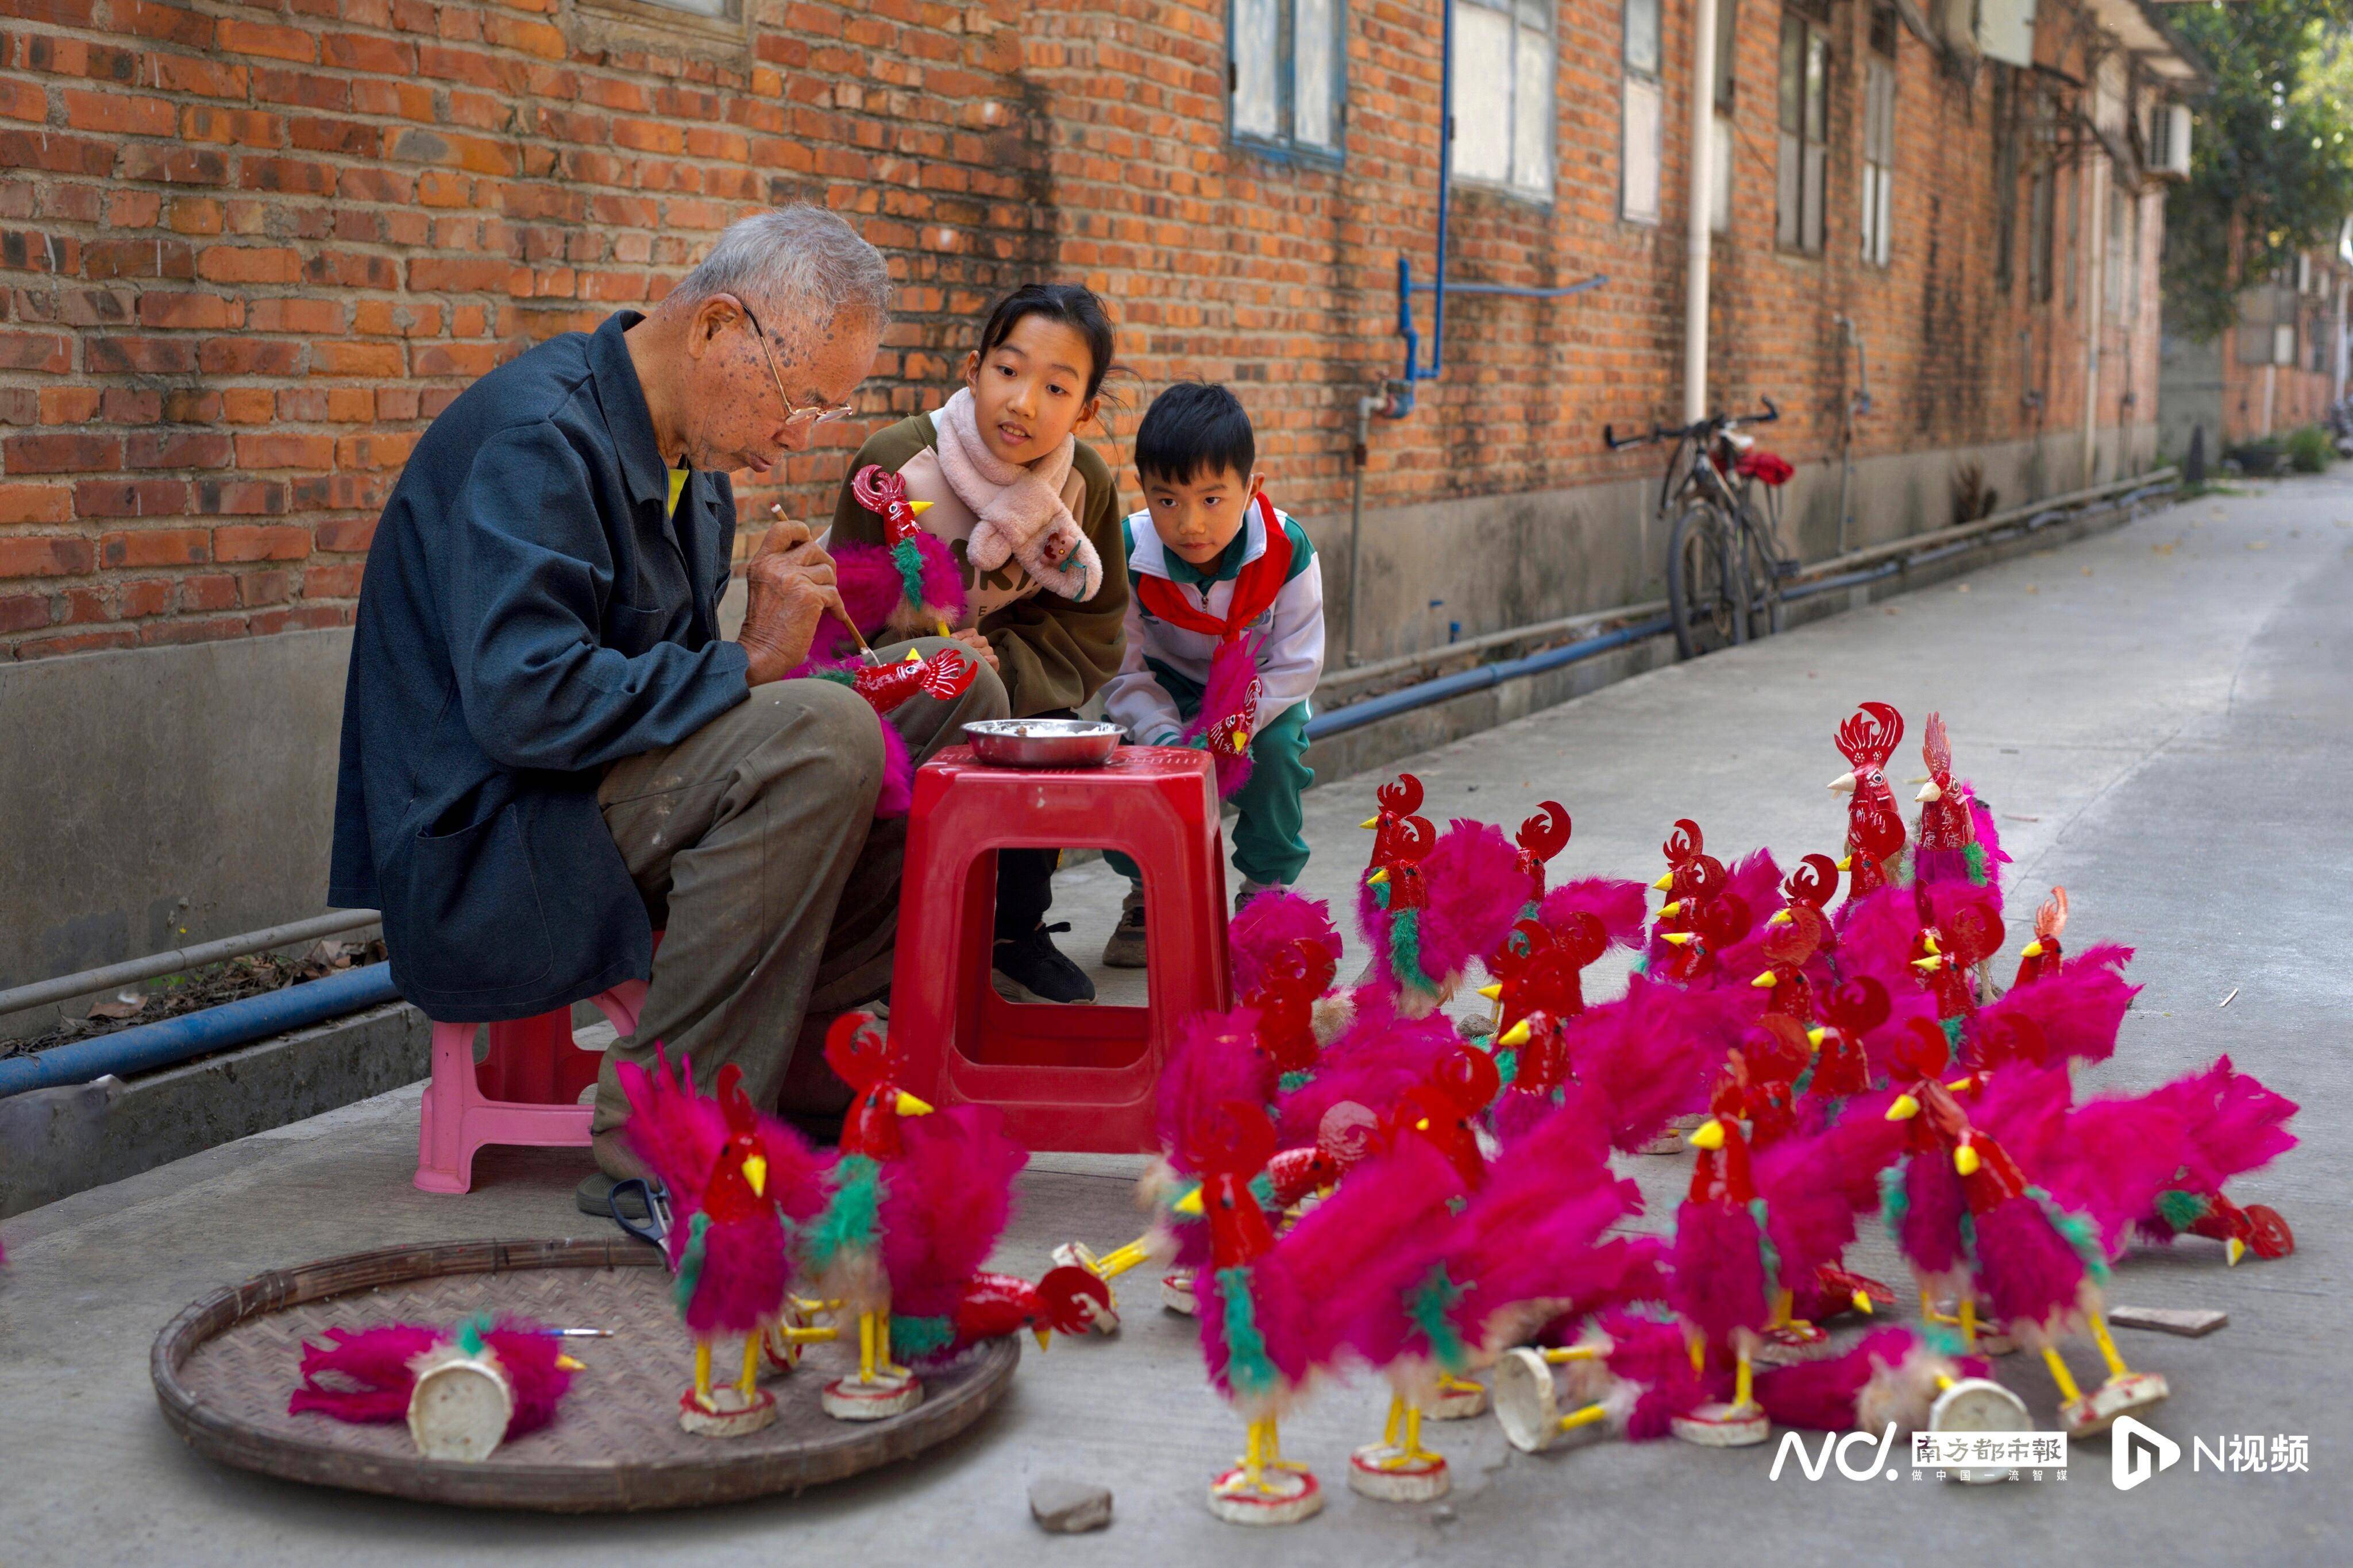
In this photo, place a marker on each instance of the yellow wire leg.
(2117, 1367)
(2068, 1392)
(882, 1362)
(1969, 1322)
(1121, 1259)
(865, 1347)
(1449, 1384)
(1414, 1452)
(1584, 1418)
(1396, 1415)
(749, 1384)
(1743, 1383)
(702, 1374)
(1572, 1352)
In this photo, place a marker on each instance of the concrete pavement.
(2161, 718)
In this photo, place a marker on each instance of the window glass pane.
(1537, 14)
(1818, 87)
(1312, 120)
(1256, 54)
(1482, 94)
(1532, 113)
(1887, 218)
(1793, 71)
(1642, 36)
(1719, 217)
(1788, 182)
(695, 7)
(1813, 238)
(1639, 160)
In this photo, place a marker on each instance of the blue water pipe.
(1372, 710)
(150, 1046)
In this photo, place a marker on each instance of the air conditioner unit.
(2169, 141)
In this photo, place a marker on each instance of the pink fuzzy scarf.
(1020, 510)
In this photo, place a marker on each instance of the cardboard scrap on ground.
(2189, 1322)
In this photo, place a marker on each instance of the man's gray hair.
(799, 259)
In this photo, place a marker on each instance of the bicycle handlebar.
(1701, 431)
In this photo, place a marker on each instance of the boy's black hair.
(1195, 428)
(1073, 304)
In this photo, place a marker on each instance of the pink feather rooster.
(367, 1376)
(1271, 923)
(1724, 1283)
(1814, 1185)
(1875, 833)
(2038, 1266)
(1227, 720)
(2076, 1012)
(1891, 1374)
(909, 586)
(1541, 837)
(1956, 840)
(735, 1178)
(1445, 910)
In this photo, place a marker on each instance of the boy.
(1210, 559)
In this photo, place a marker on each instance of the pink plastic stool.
(1075, 1077)
(526, 1090)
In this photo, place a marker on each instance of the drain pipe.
(1697, 234)
(2095, 313)
(1395, 400)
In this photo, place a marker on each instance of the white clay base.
(2126, 1395)
(1724, 1426)
(734, 1418)
(1457, 1404)
(459, 1409)
(1287, 1497)
(1787, 1344)
(1975, 1404)
(1424, 1480)
(1177, 1293)
(846, 1399)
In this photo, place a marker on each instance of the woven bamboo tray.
(223, 1369)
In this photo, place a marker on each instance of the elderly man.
(548, 749)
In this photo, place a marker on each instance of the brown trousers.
(754, 845)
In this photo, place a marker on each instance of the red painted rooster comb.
(1923, 1052)
(1545, 834)
(861, 1051)
(1723, 920)
(1936, 750)
(1411, 842)
(1870, 736)
(1684, 842)
(1072, 1298)
(1581, 939)
(1858, 1006)
(1814, 882)
(1878, 832)
(1795, 940)
(742, 1117)
(1402, 799)
(1469, 1080)
(2051, 917)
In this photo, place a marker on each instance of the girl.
(1032, 518)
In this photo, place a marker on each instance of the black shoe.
(1035, 966)
(1125, 947)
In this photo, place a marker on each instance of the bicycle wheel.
(1707, 588)
(1761, 565)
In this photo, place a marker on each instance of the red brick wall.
(247, 252)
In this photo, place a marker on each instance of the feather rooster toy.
(735, 1178)
(462, 1393)
(1540, 838)
(909, 587)
(1444, 907)
(1867, 739)
(2038, 1265)
(1227, 720)
(1957, 841)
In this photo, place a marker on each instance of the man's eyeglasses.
(797, 416)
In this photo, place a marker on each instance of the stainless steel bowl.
(1042, 743)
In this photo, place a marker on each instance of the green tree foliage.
(2272, 158)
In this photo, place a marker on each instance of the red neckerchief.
(1256, 586)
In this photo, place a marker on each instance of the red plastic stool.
(1074, 1077)
(526, 1090)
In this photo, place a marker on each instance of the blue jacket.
(529, 616)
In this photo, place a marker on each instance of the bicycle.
(1725, 563)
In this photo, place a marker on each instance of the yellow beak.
(1709, 1134)
(1765, 981)
(755, 1171)
(1190, 1203)
(1370, 822)
(1815, 1035)
(1671, 909)
(2234, 1249)
(1492, 993)
(1045, 1337)
(1516, 1036)
(1780, 918)
(1966, 1160)
(907, 1105)
(566, 1363)
(1664, 883)
(1924, 964)
(918, 508)
(1675, 938)
(914, 657)
(1843, 784)
(1845, 863)
(1378, 877)
(1905, 1109)
(1929, 942)
(1862, 1302)
(1929, 792)
(2032, 950)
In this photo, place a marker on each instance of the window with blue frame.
(1501, 96)
(1286, 74)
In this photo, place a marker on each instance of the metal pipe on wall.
(1697, 234)
(2095, 310)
